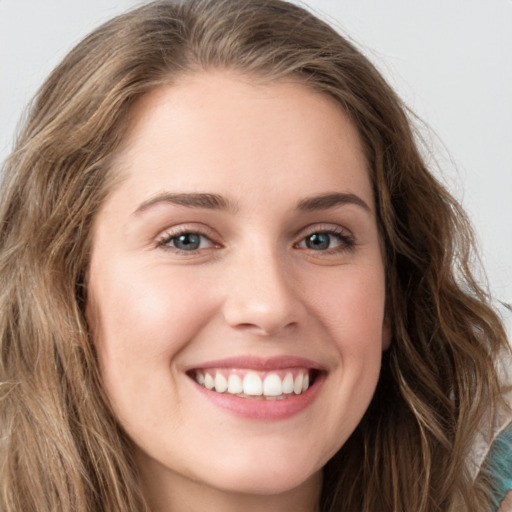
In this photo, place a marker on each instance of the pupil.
(187, 242)
(318, 241)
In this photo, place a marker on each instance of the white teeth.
(272, 385)
(221, 384)
(252, 384)
(297, 386)
(305, 382)
(208, 381)
(235, 384)
(275, 384)
(288, 384)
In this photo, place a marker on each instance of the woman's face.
(237, 259)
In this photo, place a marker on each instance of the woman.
(229, 282)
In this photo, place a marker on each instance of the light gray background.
(451, 60)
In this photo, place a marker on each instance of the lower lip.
(261, 409)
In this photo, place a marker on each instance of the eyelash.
(165, 241)
(346, 241)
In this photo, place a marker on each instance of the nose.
(262, 295)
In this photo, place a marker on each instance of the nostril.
(266, 328)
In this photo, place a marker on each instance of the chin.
(268, 484)
(272, 476)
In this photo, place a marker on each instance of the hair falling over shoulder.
(61, 448)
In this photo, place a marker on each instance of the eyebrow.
(189, 200)
(331, 200)
(217, 202)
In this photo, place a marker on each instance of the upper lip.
(259, 363)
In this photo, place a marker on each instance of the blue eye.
(186, 241)
(318, 241)
(326, 240)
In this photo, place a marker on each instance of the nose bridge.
(261, 295)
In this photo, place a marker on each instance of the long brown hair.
(60, 447)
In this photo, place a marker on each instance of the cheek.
(147, 312)
(351, 306)
(351, 309)
(140, 324)
(352, 312)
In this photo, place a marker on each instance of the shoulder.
(506, 504)
(492, 454)
(498, 466)
(491, 459)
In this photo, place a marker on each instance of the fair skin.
(506, 504)
(240, 241)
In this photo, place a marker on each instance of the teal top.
(498, 466)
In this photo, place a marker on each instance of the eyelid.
(181, 229)
(323, 227)
(346, 236)
(348, 240)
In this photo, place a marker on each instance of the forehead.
(219, 128)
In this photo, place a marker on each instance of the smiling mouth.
(256, 385)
